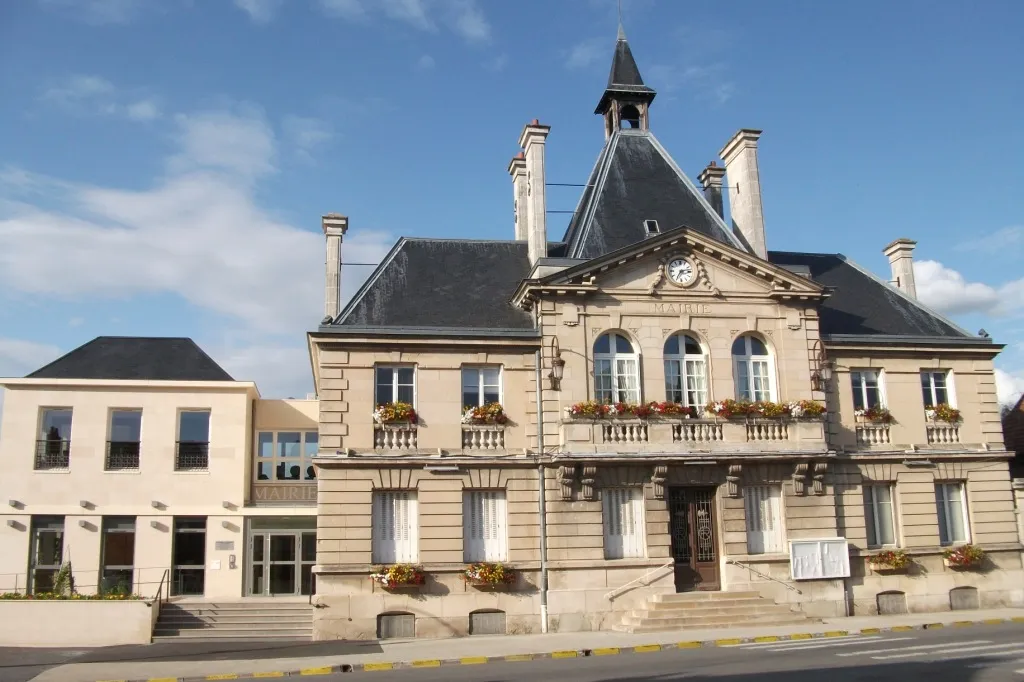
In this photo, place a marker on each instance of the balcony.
(942, 433)
(52, 455)
(122, 456)
(395, 437)
(871, 434)
(682, 436)
(192, 456)
(483, 437)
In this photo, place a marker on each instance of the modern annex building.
(140, 456)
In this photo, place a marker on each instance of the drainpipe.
(543, 502)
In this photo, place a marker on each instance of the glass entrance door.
(281, 563)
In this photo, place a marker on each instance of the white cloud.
(1009, 387)
(947, 291)
(98, 11)
(1007, 241)
(280, 371)
(259, 11)
(198, 233)
(425, 63)
(240, 142)
(97, 96)
(588, 52)
(464, 17)
(306, 135)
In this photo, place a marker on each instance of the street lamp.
(557, 366)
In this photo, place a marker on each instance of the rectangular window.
(867, 391)
(764, 518)
(935, 388)
(686, 382)
(286, 455)
(395, 525)
(118, 554)
(395, 385)
(125, 440)
(878, 514)
(752, 380)
(951, 504)
(623, 511)
(46, 553)
(53, 446)
(615, 380)
(483, 526)
(481, 385)
(193, 440)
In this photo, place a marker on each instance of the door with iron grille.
(694, 545)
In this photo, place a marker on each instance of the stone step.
(706, 596)
(666, 627)
(230, 635)
(269, 615)
(238, 606)
(724, 611)
(245, 625)
(710, 620)
(701, 604)
(213, 621)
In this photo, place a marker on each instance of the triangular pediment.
(715, 270)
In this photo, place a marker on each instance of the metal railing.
(122, 455)
(21, 583)
(763, 575)
(192, 456)
(622, 588)
(165, 579)
(52, 454)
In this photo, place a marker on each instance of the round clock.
(681, 271)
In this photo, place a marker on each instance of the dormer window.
(651, 228)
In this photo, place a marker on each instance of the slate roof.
(137, 359)
(635, 180)
(624, 76)
(861, 304)
(442, 283)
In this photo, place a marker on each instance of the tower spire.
(626, 98)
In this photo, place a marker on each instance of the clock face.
(680, 271)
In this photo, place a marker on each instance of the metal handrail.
(617, 590)
(159, 598)
(763, 575)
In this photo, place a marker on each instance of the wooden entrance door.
(694, 545)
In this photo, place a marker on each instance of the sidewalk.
(225, 660)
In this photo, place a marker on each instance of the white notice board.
(819, 559)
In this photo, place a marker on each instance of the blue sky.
(163, 166)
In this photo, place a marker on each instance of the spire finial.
(622, 32)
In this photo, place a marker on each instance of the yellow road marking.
(326, 670)
(689, 645)
(901, 628)
(647, 648)
(728, 642)
(836, 633)
(224, 676)
(993, 621)
(269, 674)
(563, 654)
(473, 660)
(770, 638)
(932, 626)
(963, 623)
(519, 657)
(378, 666)
(427, 663)
(608, 651)
(802, 635)
(870, 631)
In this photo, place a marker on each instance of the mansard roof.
(635, 180)
(133, 358)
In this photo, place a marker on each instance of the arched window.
(686, 371)
(753, 367)
(616, 370)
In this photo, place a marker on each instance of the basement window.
(651, 227)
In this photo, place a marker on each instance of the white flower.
(859, 413)
(929, 415)
(467, 418)
(795, 410)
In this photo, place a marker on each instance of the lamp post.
(557, 366)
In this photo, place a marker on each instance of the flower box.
(398, 576)
(395, 414)
(491, 413)
(487, 575)
(886, 568)
(964, 557)
(890, 561)
(942, 413)
(874, 415)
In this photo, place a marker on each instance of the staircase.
(248, 620)
(699, 610)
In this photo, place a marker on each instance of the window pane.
(288, 444)
(125, 426)
(118, 549)
(869, 515)
(470, 378)
(385, 385)
(263, 471)
(941, 396)
(312, 443)
(941, 509)
(265, 444)
(491, 394)
(672, 345)
(696, 383)
(602, 345)
(692, 347)
(955, 512)
(491, 376)
(926, 388)
(194, 427)
(742, 381)
(739, 346)
(56, 425)
(857, 379)
(289, 471)
(405, 375)
(405, 394)
(622, 344)
(673, 382)
(757, 347)
(470, 397)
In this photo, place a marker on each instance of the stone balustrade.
(684, 436)
(483, 437)
(942, 433)
(391, 437)
(871, 434)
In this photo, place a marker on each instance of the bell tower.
(626, 101)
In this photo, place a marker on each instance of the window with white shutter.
(623, 510)
(395, 523)
(483, 526)
(764, 519)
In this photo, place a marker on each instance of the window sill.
(192, 472)
(52, 471)
(122, 471)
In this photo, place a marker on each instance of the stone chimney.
(335, 226)
(901, 260)
(517, 169)
(740, 156)
(711, 180)
(532, 140)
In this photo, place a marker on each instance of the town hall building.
(549, 433)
